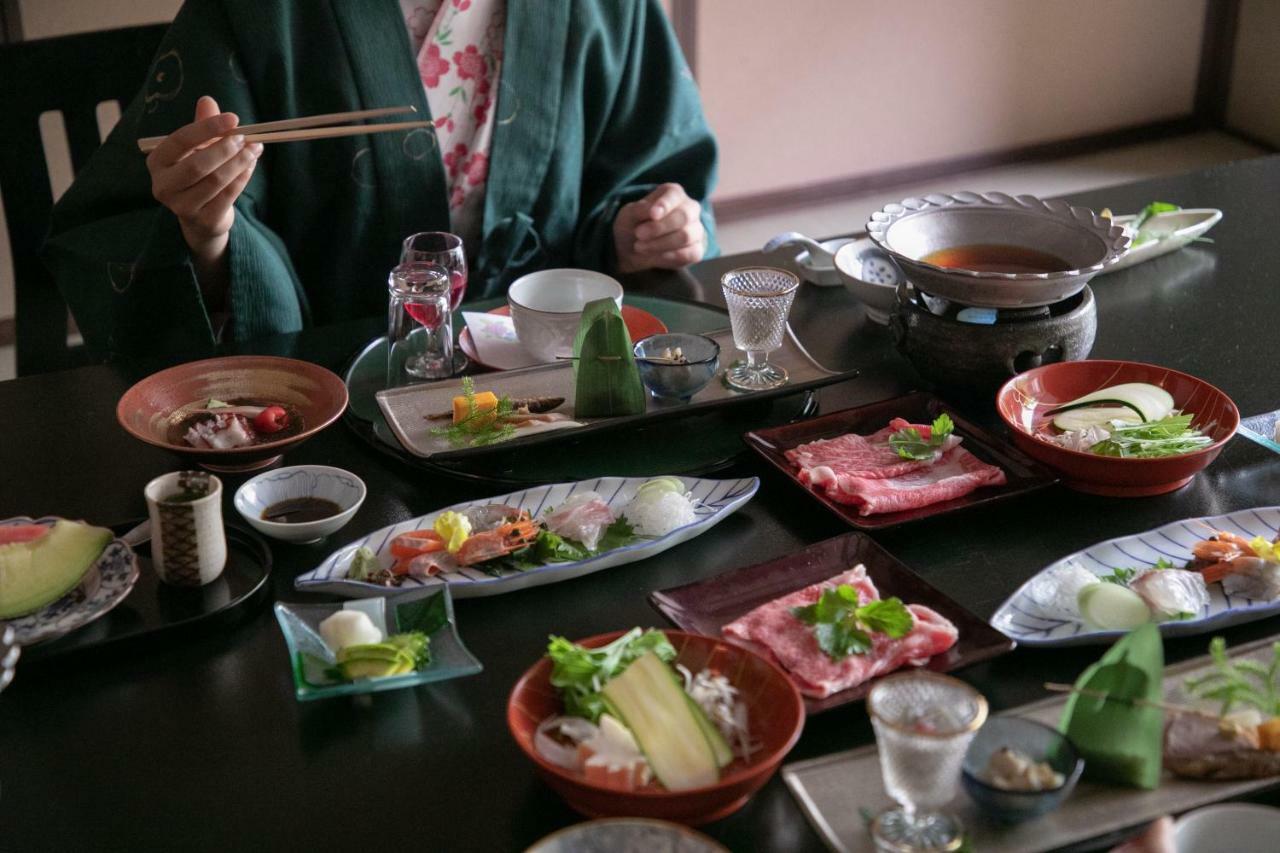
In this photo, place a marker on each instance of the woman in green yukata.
(564, 133)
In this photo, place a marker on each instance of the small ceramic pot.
(977, 359)
(188, 543)
(546, 307)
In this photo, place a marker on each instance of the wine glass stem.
(757, 359)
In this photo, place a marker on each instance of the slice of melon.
(38, 572)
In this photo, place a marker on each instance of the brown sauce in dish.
(178, 429)
(298, 510)
(996, 257)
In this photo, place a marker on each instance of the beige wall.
(45, 18)
(814, 90)
(1254, 104)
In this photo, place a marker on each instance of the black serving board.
(153, 607)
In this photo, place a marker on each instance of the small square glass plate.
(428, 610)
(1262, 429)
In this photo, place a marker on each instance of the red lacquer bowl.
(1025, 399)
(146, 410)
(775, 718)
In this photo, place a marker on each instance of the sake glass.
(443, 250)
(759, 300)
(419, 324)
(924, 723)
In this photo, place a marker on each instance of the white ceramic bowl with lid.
(546, 307)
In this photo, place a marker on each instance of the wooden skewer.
(1164, 706)
(272, 131)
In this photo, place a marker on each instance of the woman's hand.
(198, 174)
(663, 229)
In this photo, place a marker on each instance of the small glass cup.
(443, 250)
(759, 300)
(419, 325)
(924, 723)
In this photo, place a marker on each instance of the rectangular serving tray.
(406, 408)
(706, 606)
(1023, 474)
(833, 790)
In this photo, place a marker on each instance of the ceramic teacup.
(546, 307)
(188, 542)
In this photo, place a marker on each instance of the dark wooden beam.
(10, 22)
(1217, 57)
(684, 20)
(742, 206)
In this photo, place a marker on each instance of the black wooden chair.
(71, 75)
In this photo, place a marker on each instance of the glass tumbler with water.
(923, 723)
(759, 300)
(419, 324)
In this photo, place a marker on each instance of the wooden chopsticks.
(311, 127)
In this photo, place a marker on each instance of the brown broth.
(996, 257)
(178, 429)
(298, 510)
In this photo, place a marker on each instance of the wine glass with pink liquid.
(443, 251)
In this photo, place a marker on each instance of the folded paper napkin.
(495, 342)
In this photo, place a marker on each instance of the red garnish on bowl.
(271, 419)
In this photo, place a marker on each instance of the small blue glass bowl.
(429, 610)
(1042, 743)
(677, 381)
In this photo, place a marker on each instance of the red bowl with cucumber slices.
(775, 717)
(1046, 401)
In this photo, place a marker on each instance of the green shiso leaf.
(607, 379)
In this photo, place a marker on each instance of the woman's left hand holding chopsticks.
(198, 172)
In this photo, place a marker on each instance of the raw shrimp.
(499, 542)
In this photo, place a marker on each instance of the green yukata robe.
(595, 107)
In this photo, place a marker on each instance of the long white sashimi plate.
(1174, 229)
(714, 501)
(1019, 619)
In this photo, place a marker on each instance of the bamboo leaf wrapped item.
(607, 379)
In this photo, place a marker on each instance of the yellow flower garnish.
(454, 528)
(1268, 551)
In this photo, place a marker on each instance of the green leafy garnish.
(581, 673)
(551, 548)
(1242, 682)
(1169, 436)
(617, 535)
(1124, 575)
(1151, 210)
(911, 445)
(843, 627)
(479, 427)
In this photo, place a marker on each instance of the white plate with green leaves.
(1162, 228)
(625, 539)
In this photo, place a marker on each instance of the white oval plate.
(1176, 228)
(106, 584)
(1018, 618)
(715, 499)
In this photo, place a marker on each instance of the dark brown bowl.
(775, 718)
(147, 410)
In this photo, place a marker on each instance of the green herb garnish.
(1242, 682)
(911, 445)
(479, 427)
(1151, 210)
(843, 627)
(1124, 575)
(581, 673)
(1169, 436)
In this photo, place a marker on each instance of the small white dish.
(300, 481)
(1174, 230)
(871, 276)
(546, 307)
(1229, 828)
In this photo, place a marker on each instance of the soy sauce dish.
(301, 503)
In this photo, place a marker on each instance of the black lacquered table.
(195, 742)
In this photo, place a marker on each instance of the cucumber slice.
(1150, 402)
(719, 746)
(656, 709)
(661, 485)
(1078, 419)
(1112, 607)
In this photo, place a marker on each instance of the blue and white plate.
(107, 583)
(1019, 618)
(714, 500)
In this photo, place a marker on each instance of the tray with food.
(897, 460)
(1189, 576)
(835, 616)
(1153, 740)
(531, 537)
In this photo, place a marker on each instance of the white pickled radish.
(349, 628)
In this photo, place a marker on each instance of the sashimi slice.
(22, 533)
